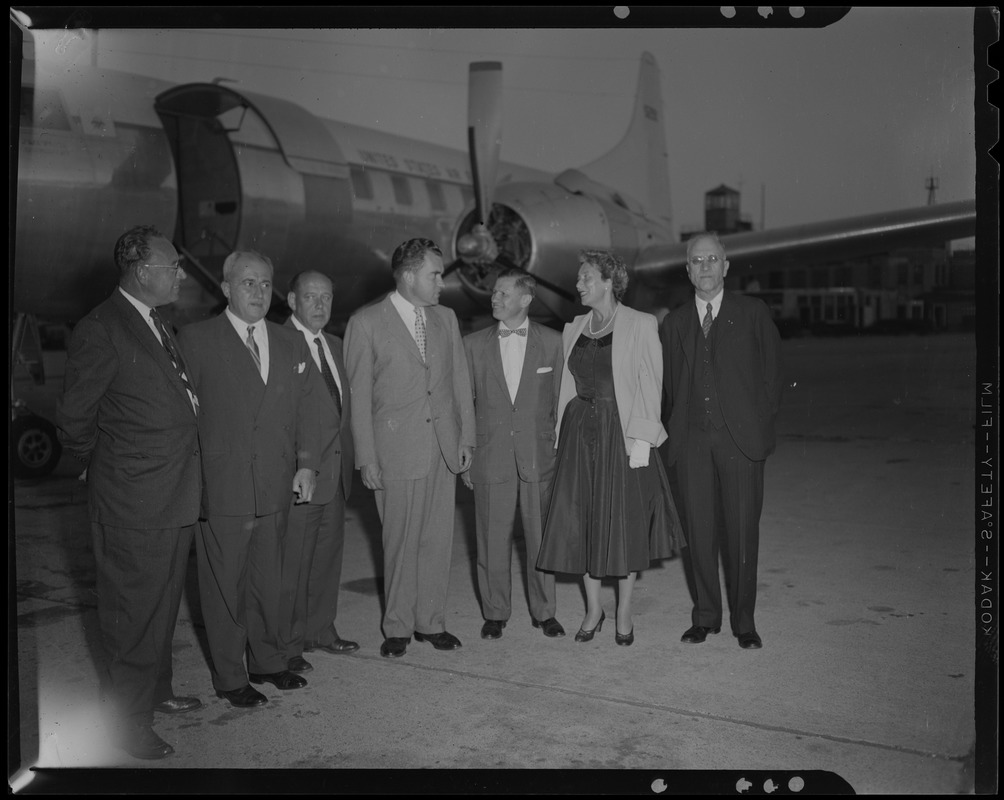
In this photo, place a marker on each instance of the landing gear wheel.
(35, 450)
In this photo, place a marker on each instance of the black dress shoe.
(142, 742)
(178, 705)
(394, 646)
(492, 629)
(587, 636)
(284, 680)
(338, 647)
(696, 634)
(626, 639)
(550, 626)
(750, 641)
(245, 697)
(441, 641)
(298, 664)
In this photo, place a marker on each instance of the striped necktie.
(329, 377)
(420, 330)
(706, 324)
(176, 358)
(253, 347)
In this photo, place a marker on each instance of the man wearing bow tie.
(413, 429)
(515, 374)
(258, 424)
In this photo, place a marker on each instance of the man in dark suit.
(315, 533)
(722, 387)
(129, 413)
(413, 428)
(515, 371)
(260, 436)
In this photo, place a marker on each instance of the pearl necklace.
(607, 325)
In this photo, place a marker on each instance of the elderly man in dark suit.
(314, 542)
(260, 447)
(413, 427)
(515, 371)
(722, 387)
(128, 411)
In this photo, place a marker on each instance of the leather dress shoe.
(696, 634)
(550, 626)
(492, 629)
(441, 641)
(142, 742)
(394, 646)
(750, 641)
(178, 705)
(338, 647)
(587, 636)
(284, 680)
(298, 664)
(245, 697)
(626, 639)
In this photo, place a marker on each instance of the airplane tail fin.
(639, 164)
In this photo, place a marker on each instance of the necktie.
(253, 347)
(329, 377)
(504, 332)
(175, 354)
(420, 330)
(706, 325)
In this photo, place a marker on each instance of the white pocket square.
(544, 369)
(301, 367)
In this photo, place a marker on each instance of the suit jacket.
(747, 369)
(637, 362)
(254, 436)
(337, 453)
(514, 438)
(400, 404)
(126, 414)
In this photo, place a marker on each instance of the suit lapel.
(235, 355)
(395, 325)
(493, 357)
(531, 359)
(688, 326)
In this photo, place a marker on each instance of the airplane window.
(402, 190)
(436, 198)
(362, 186)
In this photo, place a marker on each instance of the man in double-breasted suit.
(128, 411)
(260, 447)
(314, 542)
(722, 387)
(413, 428)
(515, 371)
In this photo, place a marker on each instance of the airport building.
(919, 289)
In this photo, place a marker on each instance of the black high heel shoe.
(587, 636)
(626, 639)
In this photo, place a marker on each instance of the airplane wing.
(832, 240)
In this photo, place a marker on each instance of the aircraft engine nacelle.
(541, 228)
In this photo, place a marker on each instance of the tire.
(35, 450)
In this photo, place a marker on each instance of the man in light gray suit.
(516, 374)
(413, 428)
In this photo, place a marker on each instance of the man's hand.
(371, 476)
(466, 457)
(304, 483)
(466, 478)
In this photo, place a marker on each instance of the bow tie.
(503, 332)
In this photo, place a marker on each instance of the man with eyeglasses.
(129, 413)
(258, 424)
(721, 388)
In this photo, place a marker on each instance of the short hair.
(703, 235)
(231, 263)
(294, 284)
(610, 267)
(133, 247)
(524, 281)
(410, 255)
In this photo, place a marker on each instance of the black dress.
(605, 518)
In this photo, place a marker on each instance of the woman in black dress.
(611, 510)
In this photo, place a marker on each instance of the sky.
(808, 125)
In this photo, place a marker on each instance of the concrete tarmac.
(865, 607)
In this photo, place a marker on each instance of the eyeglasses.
(175, 267)
(696, 261)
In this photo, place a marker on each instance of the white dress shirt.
(407, 312)
(702, 306)
(513, 351)
(260, 337)
(310, 337)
